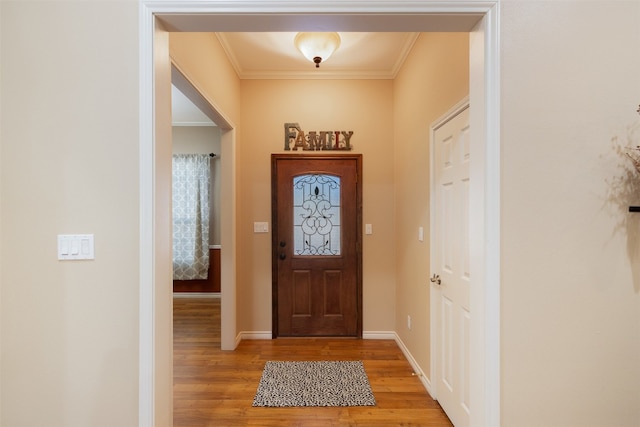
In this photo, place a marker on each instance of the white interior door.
(450, 282)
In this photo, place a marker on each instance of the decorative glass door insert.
(316, 213)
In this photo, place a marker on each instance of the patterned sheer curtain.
(191, 183)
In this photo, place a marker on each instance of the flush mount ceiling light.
(317, 47)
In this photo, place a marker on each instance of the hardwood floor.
(216, 388)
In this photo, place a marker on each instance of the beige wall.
(570, 258)
(366, 108)
(203, 140)
(202, 58)
(570, 275)
(434, 77)
(69, 165)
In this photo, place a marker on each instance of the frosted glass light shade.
(317, 47)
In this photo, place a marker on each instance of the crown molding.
(312, 74)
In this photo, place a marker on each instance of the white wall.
(570, 258)
(69, 142)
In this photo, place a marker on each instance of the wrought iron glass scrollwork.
(316, 215)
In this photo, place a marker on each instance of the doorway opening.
(479, 19)
(188, 88)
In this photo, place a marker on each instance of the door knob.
(436, 279)
(283, 243)
(283, 255)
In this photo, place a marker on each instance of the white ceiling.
(272, 55)
(184, 112)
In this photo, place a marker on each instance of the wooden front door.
(316, 254)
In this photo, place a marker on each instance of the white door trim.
(484, 229)
(146, 321)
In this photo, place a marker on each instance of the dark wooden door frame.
(274, 232)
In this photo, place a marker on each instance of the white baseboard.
(196, 294)
(255, 335)
(414, 364)
(379, 335)
(267, 335)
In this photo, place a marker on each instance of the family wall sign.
(295, 138)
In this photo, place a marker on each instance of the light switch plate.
(421, 234)
(75, 246)
(260, 227)
(368, 229)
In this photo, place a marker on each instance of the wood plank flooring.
(216, 388)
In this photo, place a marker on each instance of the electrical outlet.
(409, 322)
